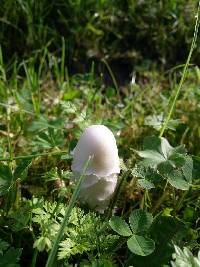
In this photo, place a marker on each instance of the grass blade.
(183, 75)
(53, 252)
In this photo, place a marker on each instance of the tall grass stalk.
(177, 92)
(63, 61)
(33, 86)
(113, 77)
(52, 255)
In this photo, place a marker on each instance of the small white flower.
(101, 176)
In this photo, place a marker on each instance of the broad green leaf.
(141, 245)
(156, 150)
(6, 179)
(159, 144)
(140, 221)
(177, 160)
(171, 163)
(188, 168)
(176, 179)
(165, 231)
(120, 226)
(151, 158)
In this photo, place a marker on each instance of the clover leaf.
(140, 222)
(172, 163)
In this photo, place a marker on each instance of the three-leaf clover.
(171, 163)
(139, 224)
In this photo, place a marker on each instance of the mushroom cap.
(99, 142)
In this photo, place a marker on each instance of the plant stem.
(180, 201)
(116, 194)
(161, 199)
(177, 92)
(113, 77)
(34, 259)
(34, 156)
(144, 204)
(52, 255)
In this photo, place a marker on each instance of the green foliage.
(95, 28)
(43, 123)
(6, 179)
(165, 231)
(171, 163)
(20, 218)
(156, 121)
(148, 178)
(120, 226)
(20, 170)
(9, 256)
(3, 246)
(140, 245)
(98, 263)
(84, 233)
(49, 139)
(48, 227)
(43, 243)
(59, 127)
(45, 105)
(140, 222)
(185, 258)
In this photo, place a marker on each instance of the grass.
(44, 108)
(47, 134)
(105, 31)
(194, 40)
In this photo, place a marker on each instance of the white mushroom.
(101, 176)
